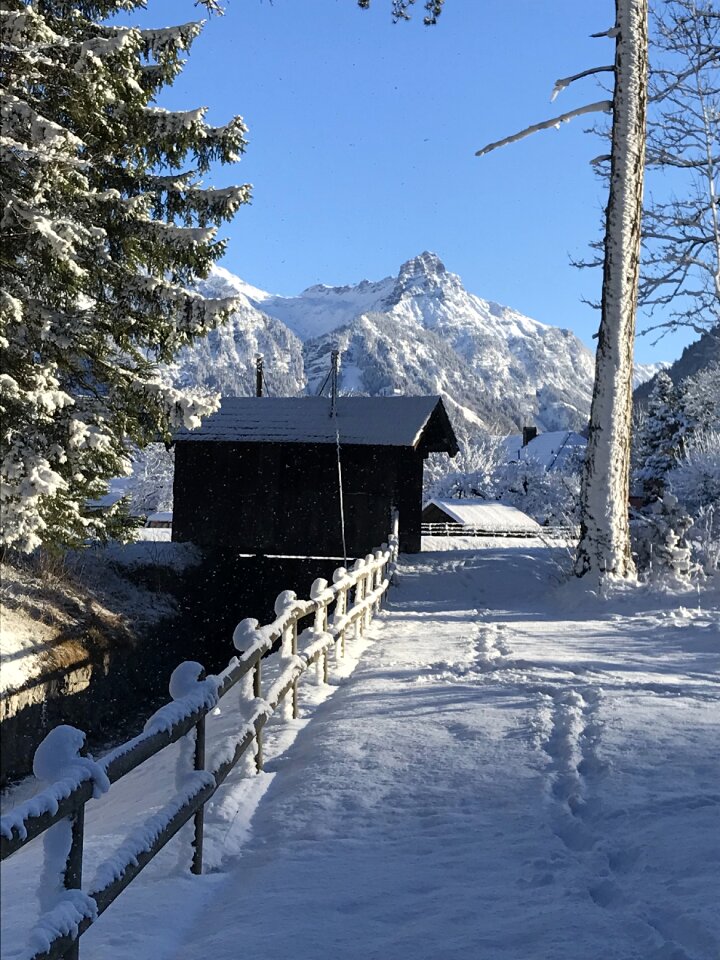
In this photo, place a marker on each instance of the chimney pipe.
(528, 434)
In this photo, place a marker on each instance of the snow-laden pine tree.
(701, 398)
(105, 227)
(662, 438)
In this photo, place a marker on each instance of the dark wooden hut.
(261, 475)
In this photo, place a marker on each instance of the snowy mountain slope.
(418, 332)
(381, 354)
(224, 360)
(699, 355)
(646, 371)
(321, 309)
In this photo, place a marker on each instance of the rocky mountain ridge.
(418, 332)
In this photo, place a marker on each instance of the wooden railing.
(460, 530)
(344, 607)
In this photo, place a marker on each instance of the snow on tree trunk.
(605, 535)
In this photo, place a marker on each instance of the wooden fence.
(344, 607)
(460, 530)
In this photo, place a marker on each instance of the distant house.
(162, 520)
(474, 516)
(552, 450)
(281, 476)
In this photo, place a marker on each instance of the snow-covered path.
(511, 772)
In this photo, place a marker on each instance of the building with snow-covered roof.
(552, 450)
(475, 516)
(283, 476)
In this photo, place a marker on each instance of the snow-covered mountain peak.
(425, 276)
(425, 265)
(222, 283)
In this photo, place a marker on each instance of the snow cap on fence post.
(245, 634)
(285, 600)
(358, 565)
(339, 574)
(59, 757)
(184, 677)
(318, 588)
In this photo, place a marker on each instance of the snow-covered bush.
(552, 497)
(104, 230)
(470, 473)
(696, 483)
(151, 486)
(705, 538)
(695, 480)
(659, 539)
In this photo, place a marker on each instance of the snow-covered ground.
(514, 770)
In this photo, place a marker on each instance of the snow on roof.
(118, 488)
(549, 449)
(383, 421)
(487, 515)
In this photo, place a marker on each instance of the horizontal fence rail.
(458, 530)
(306, 632)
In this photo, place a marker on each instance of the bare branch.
(602, 106)
(564, 82)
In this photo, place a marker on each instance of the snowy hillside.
(646, 371)
(223, 361)
(699, 355)
(418, 332)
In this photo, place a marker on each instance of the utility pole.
(258, 375)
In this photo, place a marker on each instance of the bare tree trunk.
(605, 534)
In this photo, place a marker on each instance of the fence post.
(359, 595)
(199, 819)
(294, 649)
(257, 692)
(343, 634)
(357, 599)
(395, 538)
(72, 873)
(259, 748)
(377, 579)
(340, 609)
(369, 581)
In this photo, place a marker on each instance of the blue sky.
(362, 140)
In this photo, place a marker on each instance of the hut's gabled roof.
(485, 514)
(372, 421)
